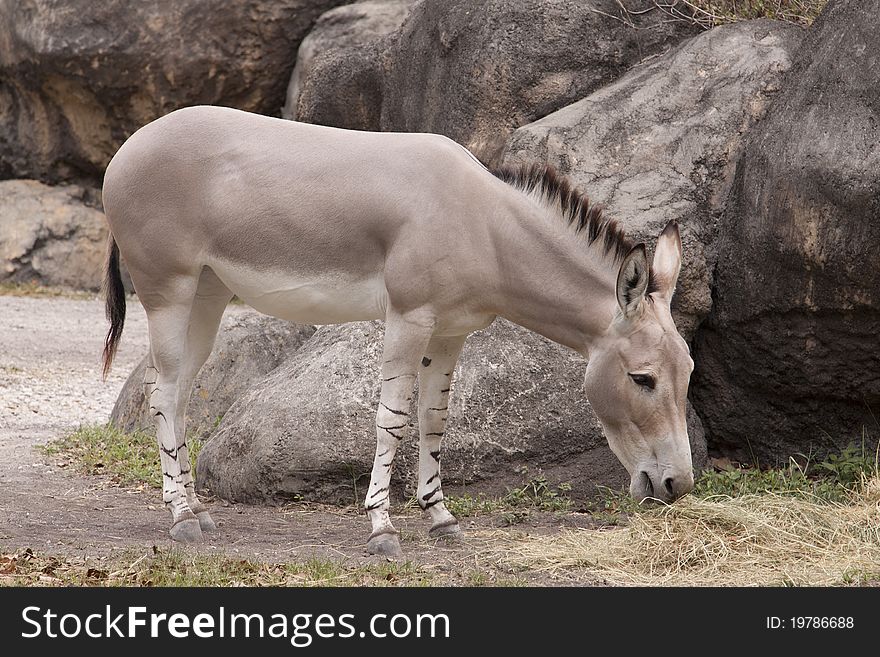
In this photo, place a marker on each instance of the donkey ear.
(667, 260)
(632, 279)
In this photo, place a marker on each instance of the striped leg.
(207, 311)
(188, 481)
(435, 378)
(168, 328)
(405, 342)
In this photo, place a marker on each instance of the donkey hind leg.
(435, 378)
(405, 342)
(211, 300)
(168, 330)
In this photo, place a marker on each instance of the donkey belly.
(326, 298)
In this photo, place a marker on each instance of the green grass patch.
(131, 459)
(537, 494)
(833, 480)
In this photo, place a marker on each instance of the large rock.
(474, 70)
(77, 77)
(308, 429)
(249, 346)
(340, 67)
(662, 142)
(789, 360)
(51, 235)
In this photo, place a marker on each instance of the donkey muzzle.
(666, 487)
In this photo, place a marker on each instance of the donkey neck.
(551, 281)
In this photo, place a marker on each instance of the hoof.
(448, 530)
(206, 522)
(385, 545)
(186, 531)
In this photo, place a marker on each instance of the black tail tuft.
(114, 295)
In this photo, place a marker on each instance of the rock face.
(475, 70)
(340, 67)
(662, 142)
(51, 235)
(788, 361)
(308, 429)
(249, 346)
(78, 77)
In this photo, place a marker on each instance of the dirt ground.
(50, 383)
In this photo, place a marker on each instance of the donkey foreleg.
(405, 342)
(435, 380)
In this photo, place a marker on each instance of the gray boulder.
(788, 361)
(77, 77)
(340, 66)
(51, 235)
(308, 429)
(475, 70)
(249, 346)
(662, 142)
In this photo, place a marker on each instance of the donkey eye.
(643, 380)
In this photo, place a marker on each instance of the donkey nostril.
(668, 485)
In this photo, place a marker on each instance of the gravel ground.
(50, 364)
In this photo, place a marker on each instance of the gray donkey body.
(321, 225)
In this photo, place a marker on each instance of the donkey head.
(638, 372)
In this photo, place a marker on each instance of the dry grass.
(33, 289)
(753, 540)
(157, 567)
(716, 12)
(709, 13)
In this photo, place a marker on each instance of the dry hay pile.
(753, 540)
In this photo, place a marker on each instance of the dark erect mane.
(585, 217)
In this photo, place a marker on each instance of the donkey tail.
(114, 294)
